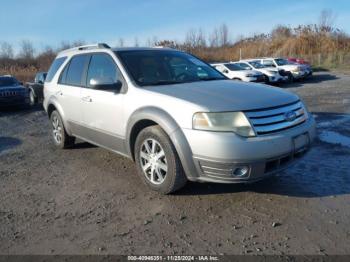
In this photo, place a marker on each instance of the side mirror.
(40, 82)
(226, 71)
(106, 84)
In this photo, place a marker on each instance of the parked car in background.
(36, 88)
(12, 92)
(271, 74)
(177, 117)
(236, 72)
(302, 62)
(293, 71)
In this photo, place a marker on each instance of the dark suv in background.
(12, 92)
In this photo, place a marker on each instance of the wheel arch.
(54, 105)
(148, 116)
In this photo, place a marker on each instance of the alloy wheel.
(153, 161)
(56, 129)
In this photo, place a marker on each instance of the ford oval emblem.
(290, 116)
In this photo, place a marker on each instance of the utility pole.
(240, 54)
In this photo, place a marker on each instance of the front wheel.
(59, 135)
(157, 161)
(290, 77)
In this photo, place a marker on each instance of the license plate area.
(301, 142)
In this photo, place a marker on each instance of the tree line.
(320, 42)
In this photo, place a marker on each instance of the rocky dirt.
(86, 200)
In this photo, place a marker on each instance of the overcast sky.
(49, 22)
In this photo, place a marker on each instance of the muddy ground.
(86, 200)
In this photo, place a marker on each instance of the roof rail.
(86, 47)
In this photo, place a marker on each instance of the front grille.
(8, 93)
(271, 120)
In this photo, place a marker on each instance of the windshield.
(8, 81)
(256, 64)
(234, 67)
(160, 67)
(281, 61)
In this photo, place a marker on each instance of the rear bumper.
(217, 159)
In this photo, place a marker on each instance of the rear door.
(70, 83)
(102, 110)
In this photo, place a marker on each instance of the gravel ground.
(86, 200)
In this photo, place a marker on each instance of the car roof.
(104, 47)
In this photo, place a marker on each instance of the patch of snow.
(334, 123)
(334, 138)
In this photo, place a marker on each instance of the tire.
(59, 135)
(32, 98)
(151, 163)
(267, 79)
(290, 77)
(237, 79)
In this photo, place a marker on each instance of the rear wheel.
(59, 135)
(157, 161)
(32, 98)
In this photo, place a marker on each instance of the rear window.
(54, 67)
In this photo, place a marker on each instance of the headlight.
(272, 72)
(250, 75)
(296, 69)
(223, 122)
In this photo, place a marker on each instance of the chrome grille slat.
(279, 126)
(272, 112)
(273, 119)
(8, 93)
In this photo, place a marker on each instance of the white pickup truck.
(294, 71)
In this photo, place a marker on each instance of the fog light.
(241, 171)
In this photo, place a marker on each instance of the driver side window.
(102, 68)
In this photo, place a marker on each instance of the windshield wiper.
(164, 82)
(211, 79)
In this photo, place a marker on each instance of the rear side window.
(54, 67)
(75, 71)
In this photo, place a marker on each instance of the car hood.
(289, 67)
(12, 88)
(227, 95)
(249, 72)
(267, 69)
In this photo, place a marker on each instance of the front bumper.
(13, 101)
(217, 156)
(299, 74)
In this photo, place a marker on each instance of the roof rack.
(86, 47)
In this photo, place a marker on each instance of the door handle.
(59, 93)
(86, 99)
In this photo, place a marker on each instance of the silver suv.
(174, 115)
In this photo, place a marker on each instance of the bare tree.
(214, 38)
(326, 20)
(195, 38)
(120, 42)
(136, 42)
(26, 50)
(223, 35)
(281, 31)
(6, 50)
